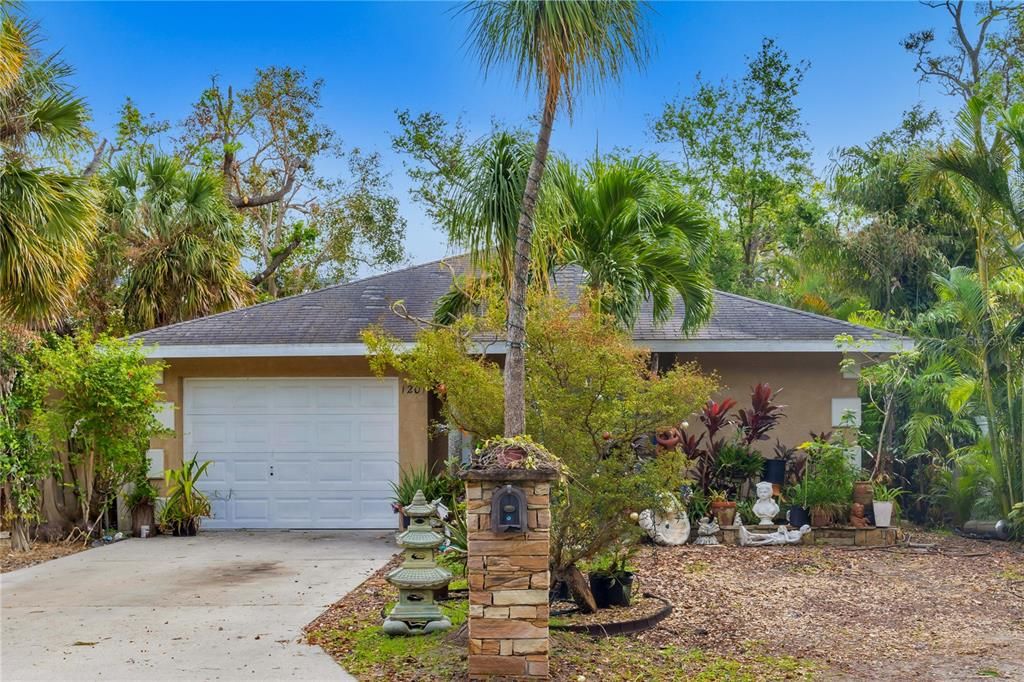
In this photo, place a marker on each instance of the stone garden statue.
(670, 526)
(766, 508)
(779, 537)
(706, 530)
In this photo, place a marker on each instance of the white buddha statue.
(766, 508)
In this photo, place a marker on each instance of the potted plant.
(863, 489)
(611, 578)
(141, 502)
(723, 508)
(827, 485)
(186, 505)
(886, 501)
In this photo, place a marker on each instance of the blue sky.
(378, 57)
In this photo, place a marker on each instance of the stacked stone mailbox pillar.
(508, 577)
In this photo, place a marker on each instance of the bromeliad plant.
(186, 505)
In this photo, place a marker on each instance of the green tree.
(48, 217)
(743, 151)
(24, 461)
(99, 400)
(303, 227)
(984, 53)
(635, 236)
(590, 396)
(561, 48)
(892, 234)
(181, 242)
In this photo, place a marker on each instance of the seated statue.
(766, 508)
(782, 536)
(857, 518)
(706, 530)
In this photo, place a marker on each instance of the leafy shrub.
(589, 396)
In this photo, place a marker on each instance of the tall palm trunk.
(515, 358)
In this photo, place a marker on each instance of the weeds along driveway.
(226, 605)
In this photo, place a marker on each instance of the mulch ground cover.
(951, 612)
(40, 552)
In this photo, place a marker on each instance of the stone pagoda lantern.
(418, 576)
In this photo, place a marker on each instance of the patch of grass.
(365, 651)
(625, 658)
(1012, 575)
(697, 567)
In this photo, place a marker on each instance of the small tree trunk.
(580, 589)
(21, 541)
(515, 358)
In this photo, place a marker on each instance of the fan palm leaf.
(184, 242)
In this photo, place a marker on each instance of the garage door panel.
(377, 474)
(375, 511)
(250, 509)
(377, 396)
(293, 435)
(376, 431)
(332, 445)
(335, 473)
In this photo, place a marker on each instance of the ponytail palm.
(635, 237)
(183, 242)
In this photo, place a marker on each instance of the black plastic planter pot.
(185, 529)
(611, 590)
(775, 471)
(798, 516)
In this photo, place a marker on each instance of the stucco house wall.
(809, 382)
(412, 406)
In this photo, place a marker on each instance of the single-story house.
(280, 397)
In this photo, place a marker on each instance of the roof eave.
(264, 350)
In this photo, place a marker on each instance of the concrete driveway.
(226, 605)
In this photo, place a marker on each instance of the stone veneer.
(508, 579)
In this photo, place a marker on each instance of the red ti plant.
(764, 415)
(715, 417)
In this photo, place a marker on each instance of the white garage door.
(295, 453)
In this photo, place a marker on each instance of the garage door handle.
(271, 469)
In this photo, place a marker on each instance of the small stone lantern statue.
(418, 576)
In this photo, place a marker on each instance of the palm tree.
(982, 167)
(635, 236)
(48, 216)
(561, 48)
(183, 242)
(978, 329)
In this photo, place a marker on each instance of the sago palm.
(48, 216)
(635, 236)
(559, 48)
(183, 242)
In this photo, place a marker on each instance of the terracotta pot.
(511, 455)
(863, 493)
(668, 438)
(725, 516)
(820, 517)
(724, 512)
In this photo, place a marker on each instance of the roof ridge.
(806, 313)
(262, 304)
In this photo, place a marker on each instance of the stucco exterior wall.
(412, 405)
(809, 382)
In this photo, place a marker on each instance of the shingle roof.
(337, 314)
